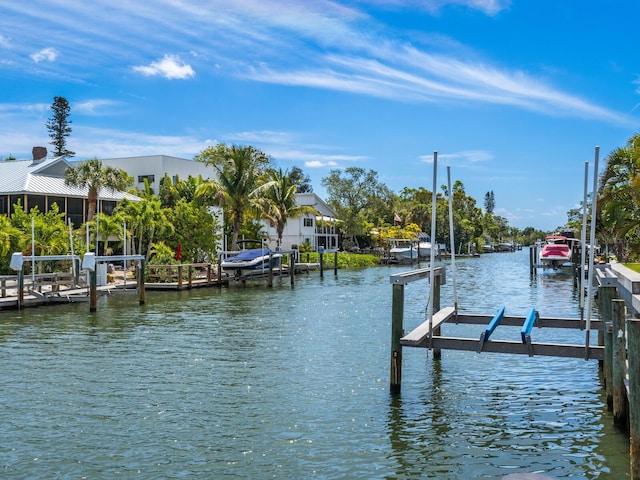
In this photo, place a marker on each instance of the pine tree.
(489, 202)
(59, 126)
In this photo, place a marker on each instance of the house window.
(149, 178)
(308, 222)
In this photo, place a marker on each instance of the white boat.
(403, 251)
(556, 251)
(251, 262)
(425, 245)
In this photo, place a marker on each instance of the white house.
(40, 182)
(318, 230)
(153, 167)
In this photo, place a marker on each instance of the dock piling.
(397, 320)
(633, 334)
(619, 355)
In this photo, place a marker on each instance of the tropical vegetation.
(250, 189)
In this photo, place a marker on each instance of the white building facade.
(153, 167)
(318, 230)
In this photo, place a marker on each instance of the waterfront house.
(317, 230)
(153, 168)
(40, 182)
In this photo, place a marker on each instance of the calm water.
(253, 383)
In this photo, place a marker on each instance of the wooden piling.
(633, 334)
(292, 268)
(141, 288)
(437, 353)
(607, 371)
(20, 288)
(619, 370)
(93, 290)
(335, 263)
(397, 316)
(606, 294)
(321, 255)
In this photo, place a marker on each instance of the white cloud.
(92, 107)
(170, 66)
(46, 54)
(4, 41)
(465, 156)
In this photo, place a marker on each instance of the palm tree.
(277, 200)
(145, 219)
(92, 175)
(619, 194)
(238, 170)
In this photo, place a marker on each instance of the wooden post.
(179, 277)
(219, 271)
(93, 289)
(20, 287)
(605, 306)
(208, 273)
(292, 268)
(335, 263)
(633, 333)
(437, 353)
(270, 276)
(141, 290)
(397, 321)
(321, 254)
(190, 276)
(619, 370)
(608, 363)
(531, 257)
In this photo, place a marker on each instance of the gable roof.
(46, 177)
(315, 201)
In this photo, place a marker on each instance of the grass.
(633, 266)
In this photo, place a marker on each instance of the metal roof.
(46, 177)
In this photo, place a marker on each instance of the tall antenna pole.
(433, 237)
(592, 238)
(451, 240)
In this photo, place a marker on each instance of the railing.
(40, 282)
(181, 273)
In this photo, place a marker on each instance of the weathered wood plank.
(421, 332)
(498, 346)
(516, 321)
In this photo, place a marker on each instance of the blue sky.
(514, 95)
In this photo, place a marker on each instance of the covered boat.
(251, 262)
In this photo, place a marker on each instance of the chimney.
(39, 153)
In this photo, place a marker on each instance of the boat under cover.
(251, 261)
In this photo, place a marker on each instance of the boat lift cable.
(432, 259)
(452, 241)
(583, 248)
(591, 249)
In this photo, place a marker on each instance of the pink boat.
(556, 251)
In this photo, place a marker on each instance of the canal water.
(253, 383)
